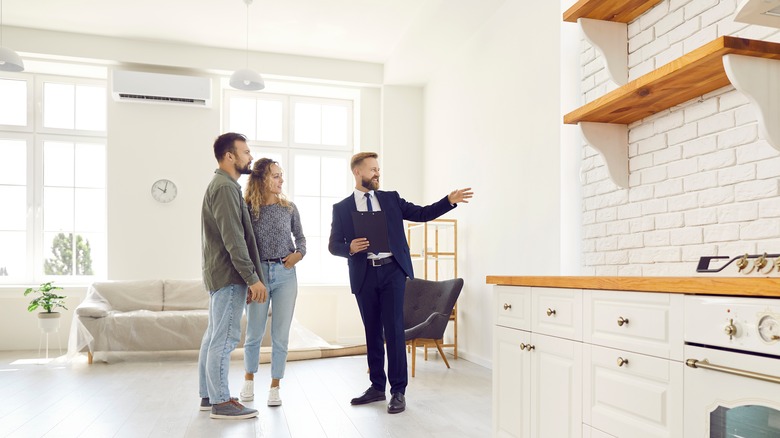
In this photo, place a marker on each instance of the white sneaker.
(273, 397)
(247, 391)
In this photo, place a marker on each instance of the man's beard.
(369, 184)
(246, 170)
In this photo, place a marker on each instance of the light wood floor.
(153, 396)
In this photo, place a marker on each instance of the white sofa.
(143, 315)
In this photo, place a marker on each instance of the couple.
(246, 241)
(232, 274)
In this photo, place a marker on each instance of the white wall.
(492, 122)
(702, 181)
(402, 142)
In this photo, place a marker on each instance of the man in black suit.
(378, 280)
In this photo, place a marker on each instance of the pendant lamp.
(247, 79)
(9, 60)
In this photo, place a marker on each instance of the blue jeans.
(282, 285)
(221, 337)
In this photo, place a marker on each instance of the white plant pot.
(49, 322)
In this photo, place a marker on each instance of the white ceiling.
(360, 30)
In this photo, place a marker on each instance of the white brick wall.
(701, 180)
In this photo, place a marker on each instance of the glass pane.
(269, 120)
(57, 209)
(336, 179)
(90, 108)
(335, 126)
(58, 253)
(258, 153)
(90, 210)
(90, 165)
(58, 105)
(327, 214)
(13, 105)
(91, 254)
(749, 421)
(13, 161)
(309, 209)
(307, 175)
(334, 269)
(308, 123)
(14, 199)
(243, 117)
(310, 270)
(13, 255)
(58, 164)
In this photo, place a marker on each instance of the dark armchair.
(427, 309)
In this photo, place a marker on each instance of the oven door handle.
(704, 363)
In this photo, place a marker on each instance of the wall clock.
(164, 190)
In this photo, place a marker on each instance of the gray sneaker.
(232, 410)
(205, 404)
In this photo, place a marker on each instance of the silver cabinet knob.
(622, 321)
(507, 306)
(621, 361)
(550, 312)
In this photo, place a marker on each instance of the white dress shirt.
(362, 205)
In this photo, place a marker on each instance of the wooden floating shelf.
(699, 72)
(622, 11)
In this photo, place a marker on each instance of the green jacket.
(230, 254)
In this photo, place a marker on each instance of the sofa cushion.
(131, 295)
(185, 295)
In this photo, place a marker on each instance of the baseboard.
(475, 359)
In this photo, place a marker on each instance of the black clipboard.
(373, 226)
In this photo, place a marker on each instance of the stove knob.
(730, 329)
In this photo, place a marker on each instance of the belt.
(380, 262)
(276, 260)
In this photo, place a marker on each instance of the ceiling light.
(247, 79)
(761, 12)
(9, 60)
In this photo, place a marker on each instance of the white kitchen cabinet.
(629, 394)
(511, 383)
(537, 379)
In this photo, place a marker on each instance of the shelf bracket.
(611, 41)
(759, 80)
(610, 140)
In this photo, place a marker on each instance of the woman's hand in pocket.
(292, 259)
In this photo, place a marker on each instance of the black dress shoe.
(371, 395)
(397, 404)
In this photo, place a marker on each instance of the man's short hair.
(226, 143)
(359, 157)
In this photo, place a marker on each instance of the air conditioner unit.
(139, 86)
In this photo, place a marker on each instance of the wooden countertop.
(704, 285)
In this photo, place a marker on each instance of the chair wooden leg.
(89, 357)
(414, 354)
(441, 353)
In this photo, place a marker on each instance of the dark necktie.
(368, 202)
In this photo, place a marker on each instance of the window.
(52, 179)
(312, 139)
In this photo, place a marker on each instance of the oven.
(732, 372)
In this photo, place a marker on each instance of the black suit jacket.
(342, 231)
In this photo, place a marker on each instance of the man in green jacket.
(231, 273)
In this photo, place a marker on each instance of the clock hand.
(165, 190)
(158, 188)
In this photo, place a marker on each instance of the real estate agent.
(378, 280)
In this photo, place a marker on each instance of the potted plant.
(48, 321)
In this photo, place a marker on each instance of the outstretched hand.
(462, 195)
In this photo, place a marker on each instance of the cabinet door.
(511, 383)
(633, 395)
(556, 387)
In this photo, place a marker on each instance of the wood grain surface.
(740, 286)
(622, 11)
(692, 75)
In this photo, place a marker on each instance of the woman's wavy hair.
(260, 179)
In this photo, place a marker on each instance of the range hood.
(761, 12)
